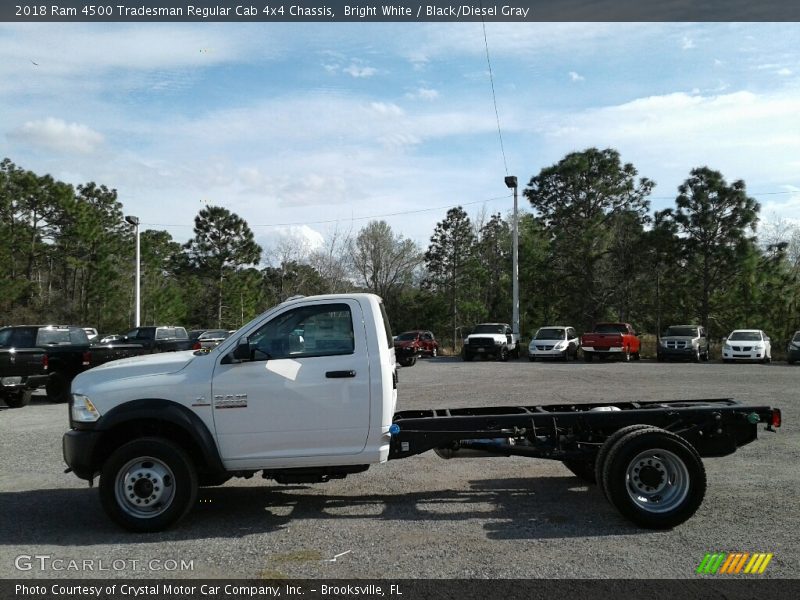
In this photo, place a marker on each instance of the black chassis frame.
(715, 427)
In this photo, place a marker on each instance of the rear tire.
(148, 484)
(655, 478)
(18, 399)
(602, 454)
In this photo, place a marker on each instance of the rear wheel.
(602, 454)
(148, 484)
(655, 478)
(18, 399)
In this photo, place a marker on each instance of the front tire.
(655, 478)
(503, 354)
(148, 484)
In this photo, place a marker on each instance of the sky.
(306, 130)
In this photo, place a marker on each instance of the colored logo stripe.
(732, 563)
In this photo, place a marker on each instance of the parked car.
(614, 339)
(210, 339)
(159, 338)
(683, 341)
(747, 344)
(110, 338)
(554, 341)
(491, 339)
(793, 350)
(411, 344)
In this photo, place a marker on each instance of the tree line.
(590, 250)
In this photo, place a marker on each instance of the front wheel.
(408, 362)
(434, 352)
(148, 484)
(655, 478)
(503, 354)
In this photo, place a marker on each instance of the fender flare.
(159, 409)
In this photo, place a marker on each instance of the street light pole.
(135, 222)
(511, 182)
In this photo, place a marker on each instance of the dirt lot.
(426, 517)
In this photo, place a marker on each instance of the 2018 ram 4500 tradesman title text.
(307, 392)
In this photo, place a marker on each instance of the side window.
(180, 333)
(77, 336)
(321, 330)
(571, 333)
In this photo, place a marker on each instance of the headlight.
(794, 346)
(663, 343)
(83, 411)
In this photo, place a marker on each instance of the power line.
(494, 96)
(326, 222)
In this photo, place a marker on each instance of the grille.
(742, 348)
(481, 342)
(544, 347)
(677, 344)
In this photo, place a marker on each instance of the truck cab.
(305, 392)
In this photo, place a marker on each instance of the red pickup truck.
(615, 339)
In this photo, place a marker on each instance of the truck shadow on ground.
(512, 508)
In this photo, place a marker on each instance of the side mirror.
(242, 350)
(724, 340)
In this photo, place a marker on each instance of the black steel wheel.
(148, 484)
(654, 478)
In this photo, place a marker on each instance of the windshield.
(611, 328)
(489, 328)
(681, 332)
(745, 336)
(549, 334)
(407, 336)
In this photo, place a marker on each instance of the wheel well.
(130, 430)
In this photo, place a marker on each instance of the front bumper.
(742, 354)
(483, 350)
(78, 448)
(545, 351)
(677, 352)
(405, 351)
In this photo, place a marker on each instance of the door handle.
(339, 374)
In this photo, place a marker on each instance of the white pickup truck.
(307, 392)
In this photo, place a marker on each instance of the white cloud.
(423, 94)
(784, 72)
(56, 134)
(687, 43)
(573, 76)
(360, 72)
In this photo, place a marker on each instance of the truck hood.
(150, 364)
(495, 336)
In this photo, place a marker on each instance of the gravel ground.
(425, 517)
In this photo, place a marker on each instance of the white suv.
(747, 344)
